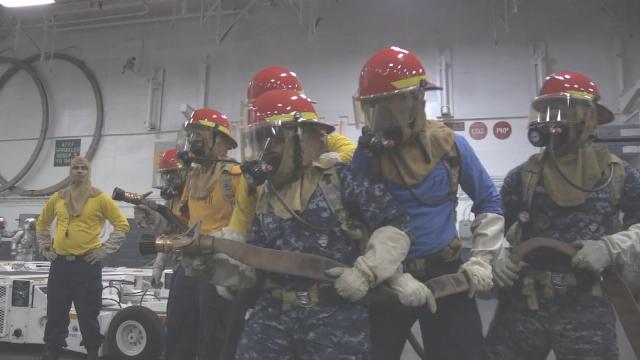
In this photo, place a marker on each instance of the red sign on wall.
(478, 130)
(502, 130)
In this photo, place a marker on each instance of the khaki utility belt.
(320, 294)
(420, 265)
(553, 283)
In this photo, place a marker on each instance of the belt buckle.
(303, 298)
(70, 258)
(557, 281)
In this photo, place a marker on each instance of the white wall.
(490, 79)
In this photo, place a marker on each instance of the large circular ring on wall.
(97, 132)
(44, 100)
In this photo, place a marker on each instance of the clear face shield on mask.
(264, 150)
(388, 120)
(194, 143)
(565, 120)
(266, 142)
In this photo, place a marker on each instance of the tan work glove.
(225, 293)
(505, 272)
(479, 275)
(45, 245)
(411, 292)
(487, 230)
(386, 249)
(227, 272)
(194, 265)
(620, 248)
(108, 247)
(149, 219)
(158, 267)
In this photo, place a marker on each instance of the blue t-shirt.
(434, 225)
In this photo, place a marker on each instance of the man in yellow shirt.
(209, 196)
(80, 211)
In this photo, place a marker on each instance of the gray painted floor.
(486, 307)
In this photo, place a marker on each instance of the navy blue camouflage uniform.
(576, 322)
(333, 330)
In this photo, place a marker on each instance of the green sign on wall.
(65, 151)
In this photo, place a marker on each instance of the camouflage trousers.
(321, 332)
(575, 325)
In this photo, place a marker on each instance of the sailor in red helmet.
(209, 196)
(314, 204)
(421, 163)
(172, 179)
(573, 192)
(281, 78)
(182, 305)
(271, 78)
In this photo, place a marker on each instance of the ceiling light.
(22, 3)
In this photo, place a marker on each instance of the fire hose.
(314, 266)
(290, 262)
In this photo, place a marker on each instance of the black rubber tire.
(152, 326)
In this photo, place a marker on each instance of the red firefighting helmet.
(571, 85)
(278, 106)
(390, 71)
(168, 161)
(273, 78)
(212, 119)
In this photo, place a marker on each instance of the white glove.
(228, 272)
(479, 274)
(505, 272)
(225, 293)
(352, 283)
(593, 255)
(386, 249)
(147, 218)
(193, 265)
(44, 243)
(95, 255)
(620, 248)
(412, 292)
(108, 247)
(487, 230)
(157, 269)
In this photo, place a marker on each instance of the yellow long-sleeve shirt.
(342, 145)
(215, 211)
(77, 235)
(246, 204)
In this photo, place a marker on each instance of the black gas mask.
(172, 184)
(559, 123)
(540, 134)
(389, 120)
(196, 145)
(270, 145)
(378, 142)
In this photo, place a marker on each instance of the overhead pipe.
(146, 10)
(136, 21)
(446, 83)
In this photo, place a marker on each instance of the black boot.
(50, 352)
(92, 355)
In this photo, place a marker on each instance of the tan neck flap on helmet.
(406, 164)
